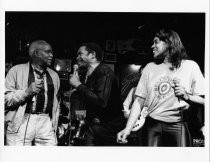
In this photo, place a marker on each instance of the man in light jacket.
(31, 103)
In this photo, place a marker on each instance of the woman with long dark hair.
(167, 88)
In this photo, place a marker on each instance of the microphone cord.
(29, 114)
(26, 128)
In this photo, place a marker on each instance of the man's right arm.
(13, 96)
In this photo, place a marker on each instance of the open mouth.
(80, 61)
(154, 50)
(50, 61)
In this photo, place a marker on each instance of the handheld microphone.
(75, 72)
(176, 81)
(75, 69)
(38, 77)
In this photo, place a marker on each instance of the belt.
(36, 112)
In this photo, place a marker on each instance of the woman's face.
(159, 48)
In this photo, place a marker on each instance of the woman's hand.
(122, 136)
(179, 90)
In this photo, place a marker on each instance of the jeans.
(159, 133)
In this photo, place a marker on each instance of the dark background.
(66, 30)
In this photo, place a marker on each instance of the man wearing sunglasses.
(31, 103)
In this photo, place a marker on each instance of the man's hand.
(74, 80)
(35, 87)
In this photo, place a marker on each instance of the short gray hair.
(38, 44)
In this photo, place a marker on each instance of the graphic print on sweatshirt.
(163, 87)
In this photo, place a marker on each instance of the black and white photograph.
(96, 82)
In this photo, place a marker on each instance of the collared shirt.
(40, 75)
(16, 83)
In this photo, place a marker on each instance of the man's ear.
(36, 53)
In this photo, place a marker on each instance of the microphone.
(75, 72)
(176, 81)
(75, 69)
(39, 76)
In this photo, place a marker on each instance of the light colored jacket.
(16, 83)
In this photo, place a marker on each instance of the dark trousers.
(158, 133)
(103, 134)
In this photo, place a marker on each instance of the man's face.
(84, 57)
(159, 48)
(45, 55)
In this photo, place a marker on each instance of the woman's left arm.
(180, 91)
(194, 98)
(196, 94)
